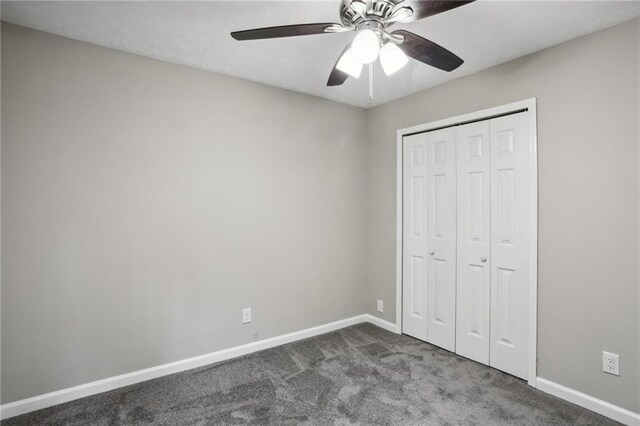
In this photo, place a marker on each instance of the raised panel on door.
(510, 243)
(414, 234)
(473, 247)
(441, 206)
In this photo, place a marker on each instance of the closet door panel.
(441, 206)
(510, 243)
(474, 230)
(414, 232)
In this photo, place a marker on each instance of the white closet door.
(414, 234)
(510, 239)
(441, 205)
(474, 237)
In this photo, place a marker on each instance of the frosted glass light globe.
(366, 46)
(392, 58)
(347, 63)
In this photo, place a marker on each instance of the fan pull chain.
(370, 83)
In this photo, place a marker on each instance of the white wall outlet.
(246, 315)
(611, 363)
(380, 306)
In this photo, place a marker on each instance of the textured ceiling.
(484, 34)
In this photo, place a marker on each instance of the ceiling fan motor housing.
(353, 13)
(376, 26)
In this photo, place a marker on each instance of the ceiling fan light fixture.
(366, 46)
(348, 64)
(392, 58)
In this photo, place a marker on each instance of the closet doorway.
(467, 236)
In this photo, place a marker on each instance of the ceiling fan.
(371, 20)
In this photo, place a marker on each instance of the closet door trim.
(528, 105)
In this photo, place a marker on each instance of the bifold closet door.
(429, 237)
(474, 242)
(466, 240)
(510, 243)
(414, 236)
(441, 267)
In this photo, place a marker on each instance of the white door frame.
(530, 106)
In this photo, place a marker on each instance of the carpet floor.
(358, 375)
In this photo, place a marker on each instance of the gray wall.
(144, 204)
(588, 136)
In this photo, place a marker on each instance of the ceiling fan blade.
(285, 31)
(424, 8)
(337, 77)
(427, 51)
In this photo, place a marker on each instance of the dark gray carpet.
(357, 375)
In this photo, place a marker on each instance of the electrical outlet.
(380, 306)
(611, 363)
(246, 315)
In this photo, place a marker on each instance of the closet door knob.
(483, 259)
(431, 253)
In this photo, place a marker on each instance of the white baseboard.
(607, 409)
(389, 326)
(69, 394)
